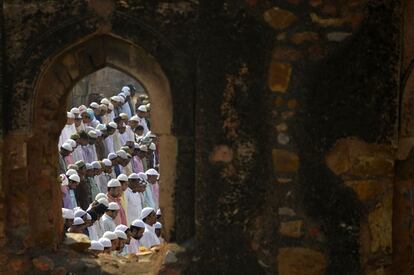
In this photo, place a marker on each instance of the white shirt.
(143, 123)
(134, 205)
(133, 246)
(65, 134)
(108, 223)
(149, 239)
(93, 235)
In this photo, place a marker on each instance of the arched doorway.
(47, 115)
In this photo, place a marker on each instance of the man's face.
(64, 152)
(83, 141)
(121, 130)
(91, 140)
(139, 132)
(115, 191)
(108, 169)
(152, 179)
(142, 154)
(68, 222)
(121, 244)
(72, 184)
(90, 173)
(97, 172)
(133, 124)
(141, 114)
(115, 244)
(137, 234)
(141, 187)
(110, 131)
(82, 171)
(115, 103)
(70, 121)
(124, 185)
(133, 184)
(151, 218)
(97, 111)
(85, 118)
(78, 122)
(112, 213)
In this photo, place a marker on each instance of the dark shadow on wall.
(352, 92)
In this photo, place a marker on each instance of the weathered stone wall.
(285, 114)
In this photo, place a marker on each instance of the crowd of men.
(109, 163)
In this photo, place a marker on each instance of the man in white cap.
(69, 197)
(126, 106)
(113, 238)
(115, 160)
(148, 198)
(64, 152)
(142, 113)
(68, 218)
(124, 162)
(96, 111)
(104, 113)
(152, 178)
(158, 230)
(159, 215)
(109, 137)
(68, 130)
(123, 179)
(108, 219)
(90, 150)
(133, 198)
(122, 240)
(90, 178)
(78, 226)
(137, 229)
(114, 195)
(103, 178)
(149, 238)
(116, 101)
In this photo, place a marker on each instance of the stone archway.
(59, 74)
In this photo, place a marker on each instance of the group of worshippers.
(109, 163)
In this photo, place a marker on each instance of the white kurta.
(65, 134)
(143, 123)
(109, 145)
(134, 205)
(93, 235)
(108, 223)
(149, 239)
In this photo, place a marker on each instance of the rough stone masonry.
(286, 115)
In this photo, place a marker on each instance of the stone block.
(286, 211)
(338, 36)
(293, 229)
(328, 22)
(367, 190)
(279, 76)
(303, 37)
(285, 161)
(77, 242)
(278, 18)
(380, 226)
(287, 54)
(300, 261)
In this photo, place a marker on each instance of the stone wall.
(284, 112)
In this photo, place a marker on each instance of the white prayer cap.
(82, 109)
(101, 127)
(152, 146)
(113, 183)
(70, 115)
(136, 145)
(121, 227)
(122, 96)
(134, 118)
(122, 177)
(71, 172)
(94, 105)
(67, 146)
(133, 176)
(63, 179)
(152, 172)
(148, 106)
(110, 235)
(98, 133)
(74, 177)
(96, 245)
(111, 106)
(100, 195)
(105, 101)
(112, 125)
(142, 175)
(92, 134)
(105, 242)
(112, 156)
(107, 162)
(113, 206)
(146, 211)
(71, 142)
(79, 213)
(78, 221)
(74, 111)
(142, 108)
(88, 217)
(120, 234)
(125, 89)
(158, 212)
(88, 166)
(138, 223)
(157, 225)
(96, 165)
(104, 201)
(123, 116)
(67, 214)
(103, 107)
(116, 98)
(122, 154)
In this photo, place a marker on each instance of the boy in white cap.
(106, 243)
(96, 247)
(149, 238)
(108, 219)
(114, 195)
